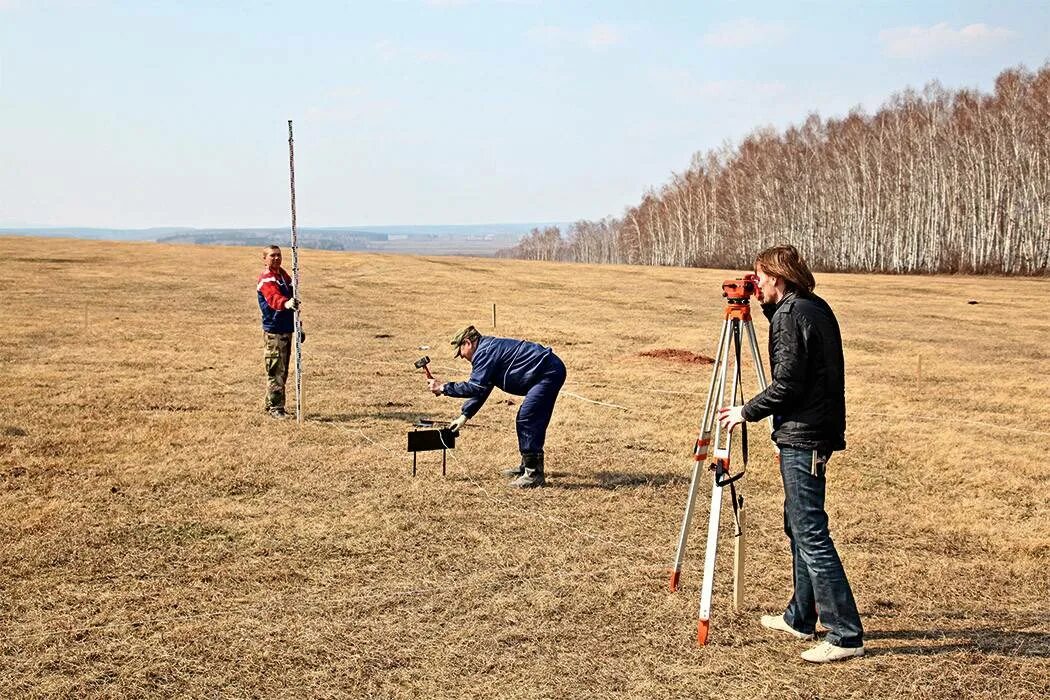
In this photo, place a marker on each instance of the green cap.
(468, 333)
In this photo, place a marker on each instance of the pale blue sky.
(162, 113)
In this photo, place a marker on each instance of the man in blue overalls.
(517, 367)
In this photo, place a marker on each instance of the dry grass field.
(162, 537)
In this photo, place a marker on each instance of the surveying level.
(738, 293)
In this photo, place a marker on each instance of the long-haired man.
(807, 400)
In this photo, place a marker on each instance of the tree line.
(934, 181)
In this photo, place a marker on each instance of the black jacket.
(807, 393)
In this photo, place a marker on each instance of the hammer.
(422, 363)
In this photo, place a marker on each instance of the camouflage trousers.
(278, 350)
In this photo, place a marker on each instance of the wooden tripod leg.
(700, 454)
(721, 455)
(707, 587)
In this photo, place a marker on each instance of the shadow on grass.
(988, 640)
(401, 416)
(561, 481)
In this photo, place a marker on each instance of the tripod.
(737, 322)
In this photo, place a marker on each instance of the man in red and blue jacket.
(278, 304)
(517, 367)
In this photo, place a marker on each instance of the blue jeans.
(537, 408)
(820, 581)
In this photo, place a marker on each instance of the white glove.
(292, 304)
(455, 425)
(730, 416)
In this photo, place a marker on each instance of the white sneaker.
(826, 652)
(777, 622)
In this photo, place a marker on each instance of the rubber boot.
(516, 471)
(533, 476)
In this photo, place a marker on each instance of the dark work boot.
(533, 472)
(516, 471)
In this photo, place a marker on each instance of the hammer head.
(422, 362)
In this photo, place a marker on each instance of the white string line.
(567, 393)
(649, 567)
(641, 389)
(898, 416)
(366, 437)
(599, 403)
(902, 416)
(650, 390)
(503, 503)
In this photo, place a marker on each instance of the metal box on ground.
(426, 439)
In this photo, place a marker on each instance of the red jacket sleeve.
(271, 292)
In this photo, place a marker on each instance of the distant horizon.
(483, 239)
(353, 227)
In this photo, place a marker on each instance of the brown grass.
(162, 537)
(678, 355)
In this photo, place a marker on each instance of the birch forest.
(934, 181)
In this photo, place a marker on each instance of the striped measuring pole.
(298, 333)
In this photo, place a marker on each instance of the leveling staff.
(277, 303)
(807, 399)
(517, 367)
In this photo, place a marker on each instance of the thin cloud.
(391, 51)
(339, 103)
(461, 3)
(916, 42)
(596, 37)
(744, 33)
(737, 89)
(602, 36)
(684, 85)
(12, 5)
(547, 34)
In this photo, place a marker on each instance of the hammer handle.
(427, 370)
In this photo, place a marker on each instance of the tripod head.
(739, 291)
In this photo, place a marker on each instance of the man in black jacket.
(807, 399)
